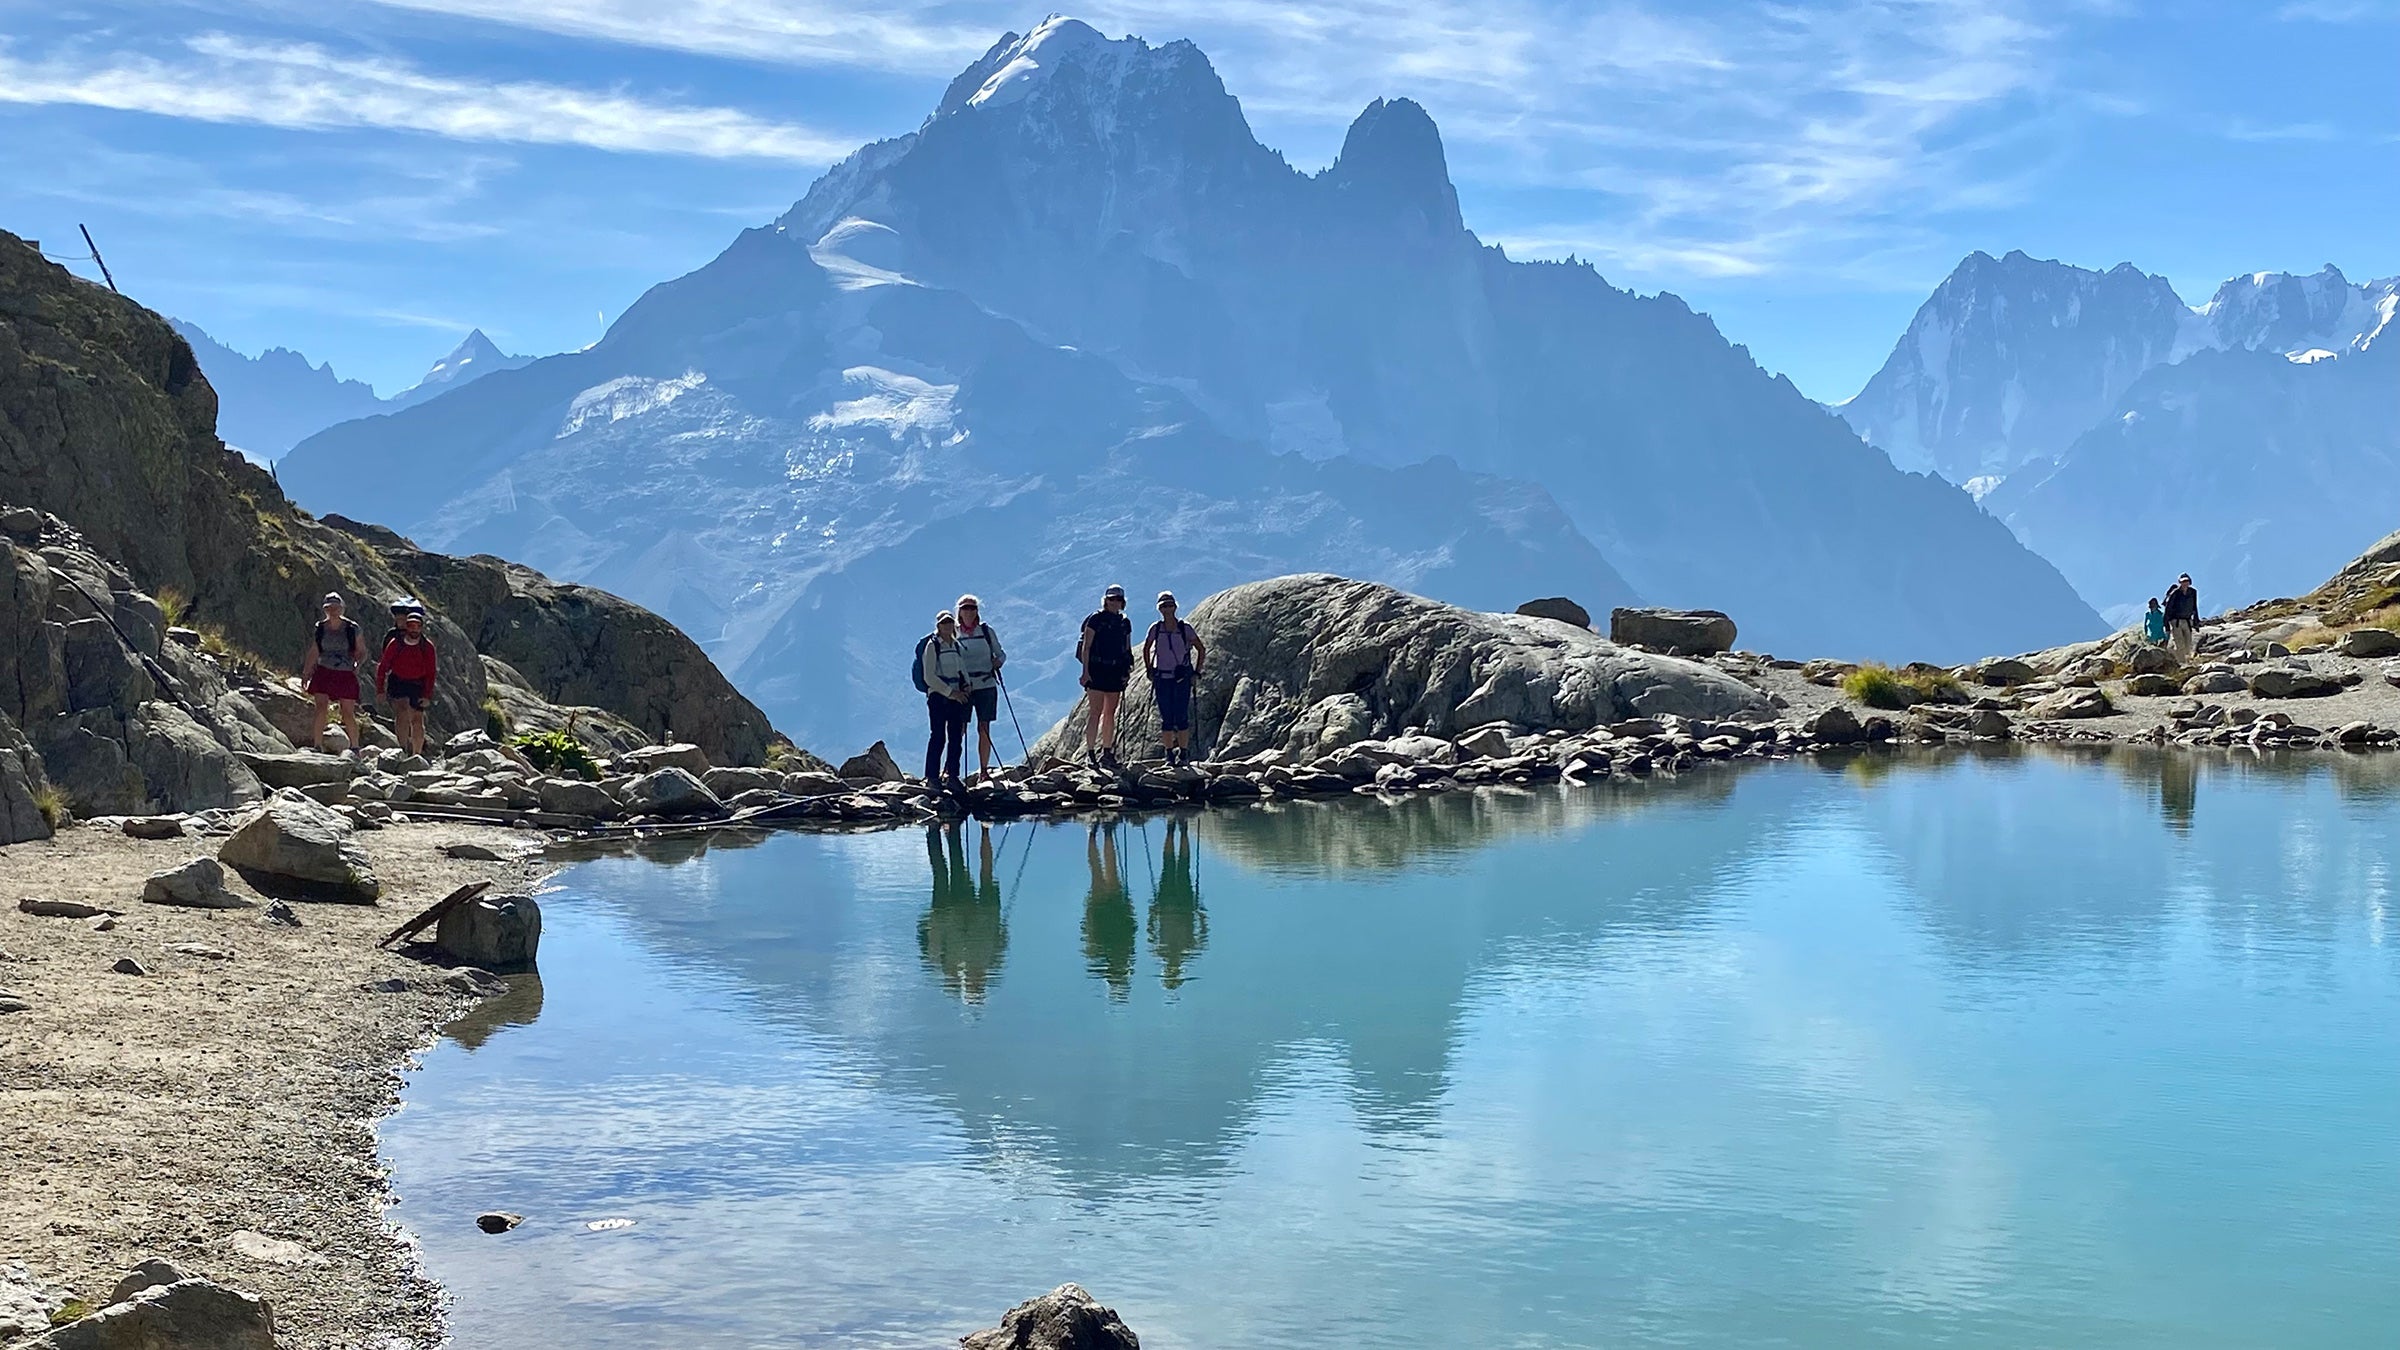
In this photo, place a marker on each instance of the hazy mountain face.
(2128, 437)
(1056, 338)
(271, 402)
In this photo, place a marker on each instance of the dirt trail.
(160, 1114)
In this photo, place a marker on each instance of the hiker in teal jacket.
(2154, 625)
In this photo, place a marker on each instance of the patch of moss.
(73, 1310)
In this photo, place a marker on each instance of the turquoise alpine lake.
(2013, 1050)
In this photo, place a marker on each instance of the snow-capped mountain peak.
(1056, 41)
(2277, 311)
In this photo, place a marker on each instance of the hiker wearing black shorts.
(980, 658)
(941, 672)
(1173, 654)
(1106, 651)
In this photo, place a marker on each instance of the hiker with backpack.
(1106, 651)
(329, 671)
(406, 674)
(941, 675)
(1173, 654)
(980, 659)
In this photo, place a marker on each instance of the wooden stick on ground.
(434, 915)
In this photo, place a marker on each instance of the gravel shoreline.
(163, 1114)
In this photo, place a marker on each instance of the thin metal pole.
(95, 248)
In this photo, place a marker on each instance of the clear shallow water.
(2010, 1052)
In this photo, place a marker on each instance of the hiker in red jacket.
(406, 673)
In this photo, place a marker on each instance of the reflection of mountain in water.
(1127, 1029)
(2121, 840)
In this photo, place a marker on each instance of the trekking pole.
(1012, 718)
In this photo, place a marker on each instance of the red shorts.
(339, 685)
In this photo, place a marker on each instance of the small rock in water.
(126, 965)
(1066, 1318)
(498, 1221)
(283, 914)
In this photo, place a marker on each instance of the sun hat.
(1113, 593)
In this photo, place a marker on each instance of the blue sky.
(364, 181)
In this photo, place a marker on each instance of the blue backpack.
(916, 665)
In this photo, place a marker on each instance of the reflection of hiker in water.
(1108, 923)
(1178, 925)
(964, 934)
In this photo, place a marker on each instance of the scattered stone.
(302, 769)
(472, 853)
(2149, 660)
(2152, 685)
(198, 884)
(2285, 682)
(873, 764)
(106, 923)
(2355, 733)
(126, 965)
(1066, 1318)
(273, 1251)
(651, 758)
(498, 1221)
(2005, 670)
(2370, 643)
(1992, 724)
(475, 981)
(62, 909)
(280, 913)
(191, 1314)
(1834, 726)
(10, 1002)
(300, 843)
(154, 827)
(184, 637)
(569, 797)
(1686, 632)
(2070, 705)
(394, 985)
(1487, 742)
(149, 1274)
(2216, 680)
(201, 950)
(498, 932)
(671, 793)
(1557, 607)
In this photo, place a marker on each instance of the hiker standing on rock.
(2154, 625)
(1106, 651)
(406, 675)
(980, 654)
(1173, 654)
(942, 674)
(2183, 618)
(329, 672)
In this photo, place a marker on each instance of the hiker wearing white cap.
(329, 670)
(1106, 651)
(1173, 654)
(980, 659)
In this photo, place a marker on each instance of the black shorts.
(410, 692)
(1108, 680)
(985, 702)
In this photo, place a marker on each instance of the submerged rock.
(1066, 1318)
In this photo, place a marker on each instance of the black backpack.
(1112, 654)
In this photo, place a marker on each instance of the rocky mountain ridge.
(268, 403)
(125, 504)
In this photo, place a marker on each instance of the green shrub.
(173, 604)
(557, 752)
(1880, 686)
(52, 802)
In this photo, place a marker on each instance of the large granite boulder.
(649, 758)
(197, 884)
(1066, 1318)
(1686, 632)
(1557, 607)
(873, 764)
(2291, 682)
(296, 845)
(1314, 662)
(2370, 643)
(671, 792)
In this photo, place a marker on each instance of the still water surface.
(1983, 1052)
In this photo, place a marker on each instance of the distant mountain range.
(1081, 326)
(270, 402)
(2127, 436)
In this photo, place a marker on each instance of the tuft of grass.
(495, 718)
(173, 604)
(1880, 686)
(557, 751)
(73, 1310)
(51, 801)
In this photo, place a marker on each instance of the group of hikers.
(337, 652)
(2176, 624)
(958, 668)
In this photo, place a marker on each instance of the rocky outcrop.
(1315, 662)
(1066, 1318)
(107, 423)
(495, 932)
(1684, 632)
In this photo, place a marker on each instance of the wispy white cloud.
(2339, 11)
(222, 78)
(905, 37)
(2284, 131)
